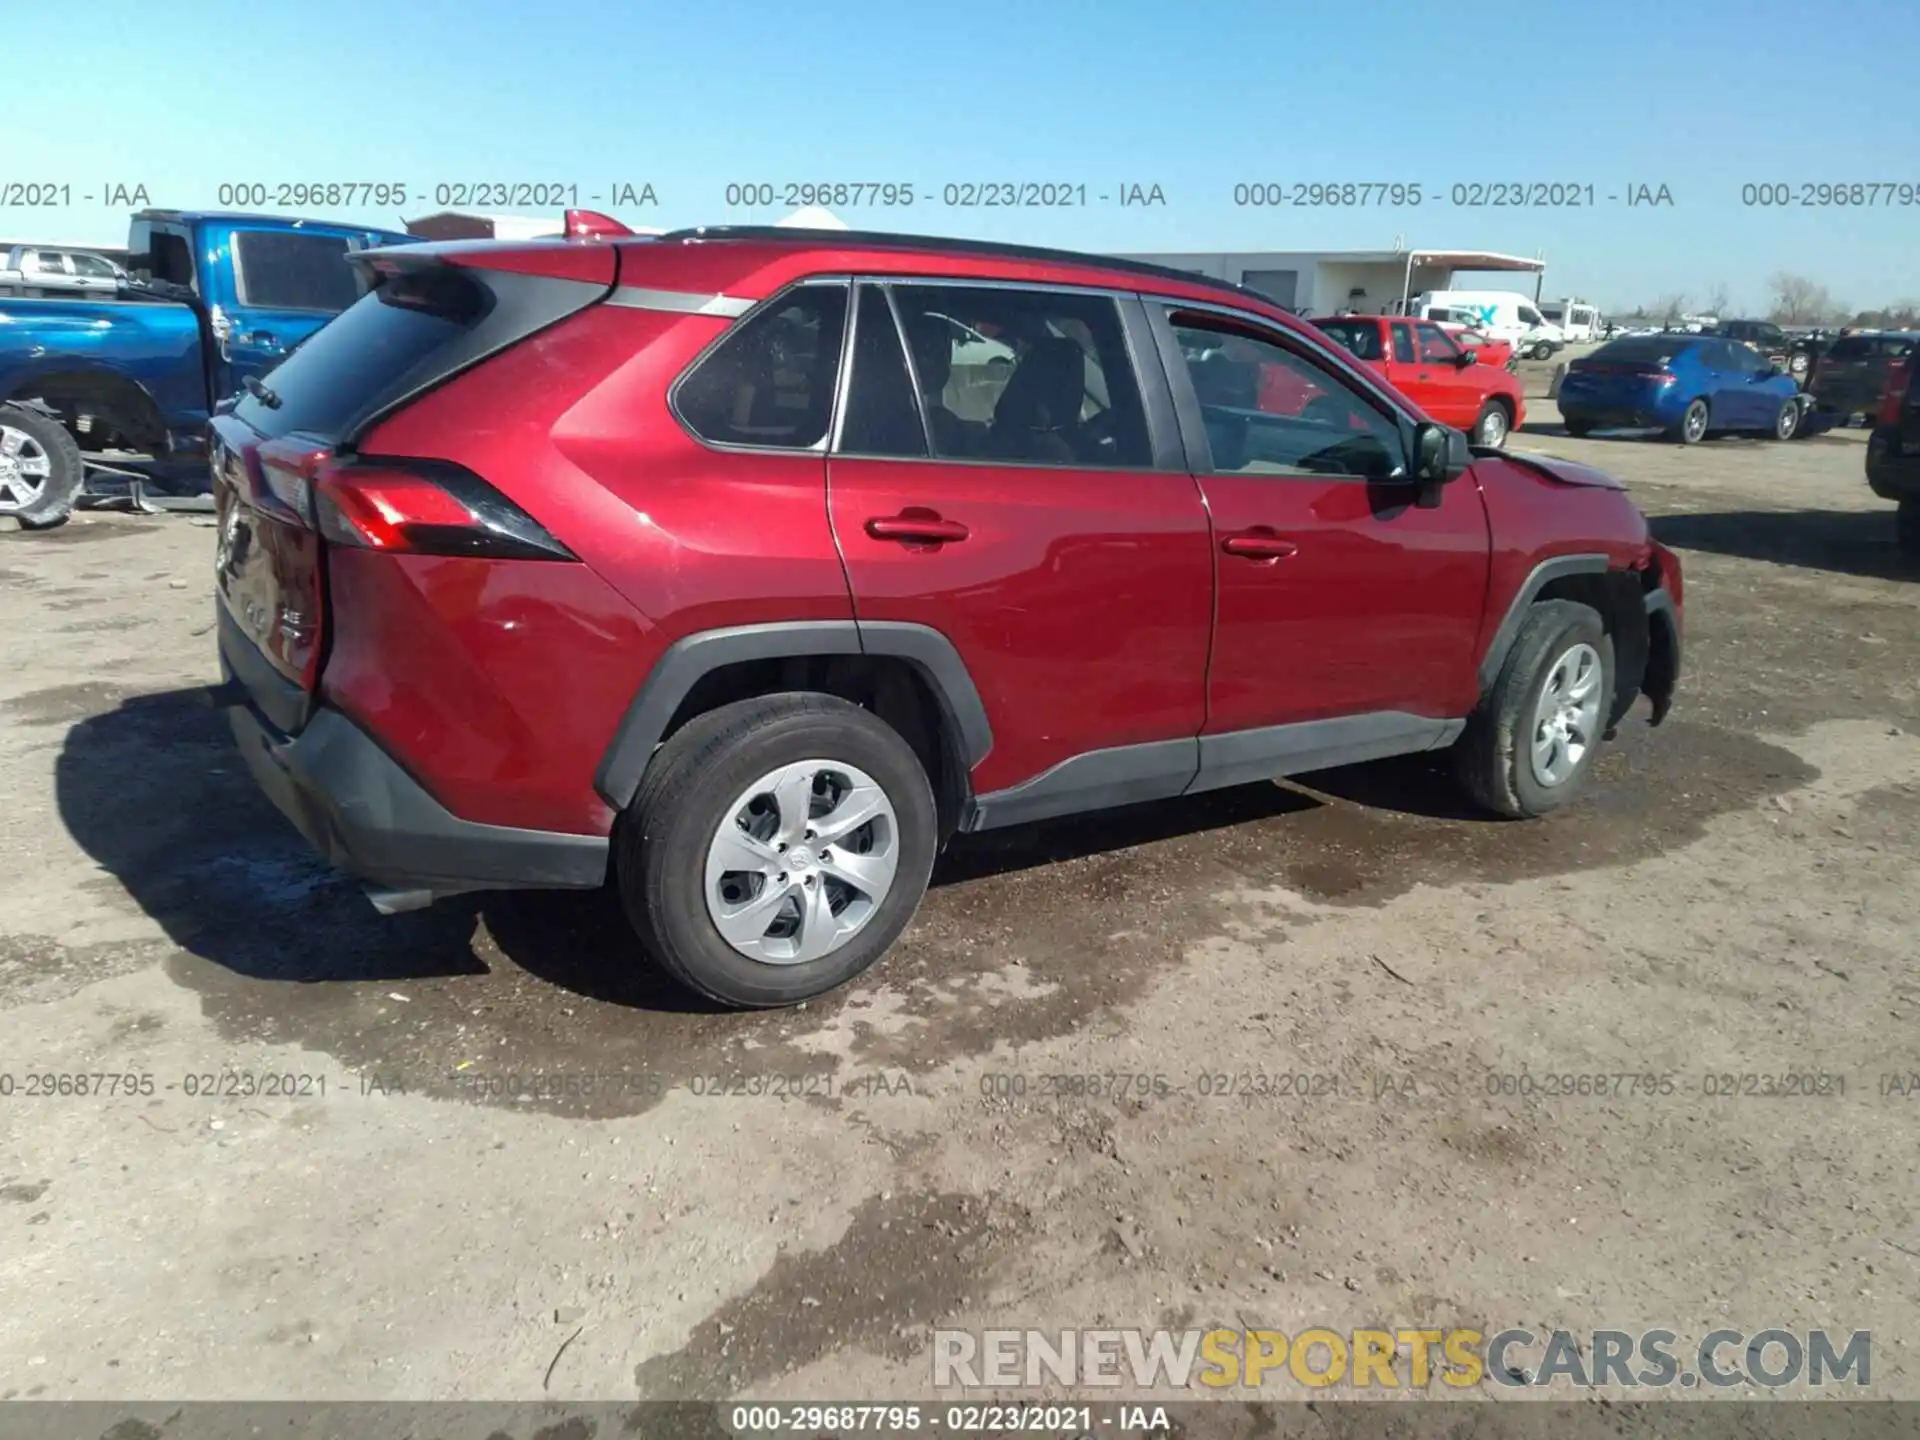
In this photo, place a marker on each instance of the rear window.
(1647, 349)
(350, 363)
(294, 270)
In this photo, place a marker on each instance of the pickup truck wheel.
(777, 848)
(40, 468)
(1530, 745)
(1493, 425)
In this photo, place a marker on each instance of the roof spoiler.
(592, 225)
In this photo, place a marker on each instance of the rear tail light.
(1663, 377)
(1894, 394)
(425, 507)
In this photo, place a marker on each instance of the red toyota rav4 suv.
(742, 567)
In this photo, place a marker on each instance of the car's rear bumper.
(368, 816)
(1602, 415)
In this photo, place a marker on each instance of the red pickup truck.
(1423, 363)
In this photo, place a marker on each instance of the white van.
(1504, 314)
(1578, 323)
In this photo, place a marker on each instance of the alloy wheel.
(25, 468)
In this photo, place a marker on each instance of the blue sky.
(1194, 96)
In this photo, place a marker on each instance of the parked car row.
(28, 271)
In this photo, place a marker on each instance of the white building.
(1323, 282)
(464, 225)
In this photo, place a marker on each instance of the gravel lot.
(1728, 900)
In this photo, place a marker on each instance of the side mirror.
(1440, 456)
(1467, 357)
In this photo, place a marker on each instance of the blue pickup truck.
(213, 302)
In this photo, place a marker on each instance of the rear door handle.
(917, 529)
(1259, 544)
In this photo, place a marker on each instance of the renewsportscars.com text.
(1400, 1359)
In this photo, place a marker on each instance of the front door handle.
(917, 529)
(1260, 544)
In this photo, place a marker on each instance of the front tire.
(1787, 421)
(1493, 426)
(40, 468)
(1530, 744)
(777, 848)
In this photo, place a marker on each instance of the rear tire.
(40, 468)
(1906, 527)
(715, 771)
(1493, 426)
(1501, 758)
(1692, 428)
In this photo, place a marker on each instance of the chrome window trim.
(680, 302)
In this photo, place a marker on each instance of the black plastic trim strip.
(1162, 769)
(689, 659)
(1664, 648)
(363, 812)
(1553, 568)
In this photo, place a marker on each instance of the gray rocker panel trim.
(1162, 769)
(1547, 571)
(692, 657)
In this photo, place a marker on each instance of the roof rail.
(998, 249)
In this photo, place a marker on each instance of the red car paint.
(1092, 609)
(1422, 361)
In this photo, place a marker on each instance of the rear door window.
(769, 383)
(294, 270)
(1025, 377)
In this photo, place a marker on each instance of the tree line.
(1791, 300)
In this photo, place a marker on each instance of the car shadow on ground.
(1846, 542)
(158, 797)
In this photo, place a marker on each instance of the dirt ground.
(1735, 897)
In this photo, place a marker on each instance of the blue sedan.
(1690, 386)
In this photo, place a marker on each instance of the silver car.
(40, 270)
